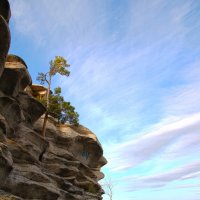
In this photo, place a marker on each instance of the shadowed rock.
(5, 163)
(4, 42)
(34, 143)
(84, 146)
(65, 165)
(15, 77)
(7, 196)
(28, 103)
(3, 128)
(19, 185)
(5, 10)
(11, 111)
(20, 154)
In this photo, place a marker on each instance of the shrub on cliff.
(57, 66)
(62, 110)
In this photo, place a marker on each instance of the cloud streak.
(169, 142)
(134, 79)
(157, 181)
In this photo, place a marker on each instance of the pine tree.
(57, 66)
(62, 110)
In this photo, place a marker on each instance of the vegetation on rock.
(57, 66)
(60, 109)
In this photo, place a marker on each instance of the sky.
(135, 79)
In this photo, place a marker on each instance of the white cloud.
(64, 23)
(170, 142)
(184, 98)
(24, 20)
(133, 78)
(165, 178)
(192, 175)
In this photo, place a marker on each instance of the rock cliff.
(65, 165)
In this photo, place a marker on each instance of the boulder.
(84, 145)
(15, 77)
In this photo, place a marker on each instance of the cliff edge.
(65, 165)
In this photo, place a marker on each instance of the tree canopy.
(62, 110)
(57, 66)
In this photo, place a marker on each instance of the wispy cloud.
(134, 79)
(169, 142)
(64, 23)
(26, 23)
(165, 178)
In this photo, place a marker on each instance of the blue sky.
(135, 79)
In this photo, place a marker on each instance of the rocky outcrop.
(65, 165)
(15, 77)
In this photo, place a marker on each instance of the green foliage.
(41, 78)
(57, 90)
(59, 65)
(92, 189)
(69, 114)
(62, 110)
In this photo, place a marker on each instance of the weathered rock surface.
(57, 167)
(5, 162)
(27, 104)
(65, 165)
(15, 77)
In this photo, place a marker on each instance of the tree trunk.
(46, 113)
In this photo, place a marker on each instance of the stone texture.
(7, 196)
(27, 104)
(5, 163)
(3, 128)
(50, 168)
(65, 165)
(11, 111)
(15, 77)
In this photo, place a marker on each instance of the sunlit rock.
(15, 77)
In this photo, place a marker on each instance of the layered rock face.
(65, 165)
